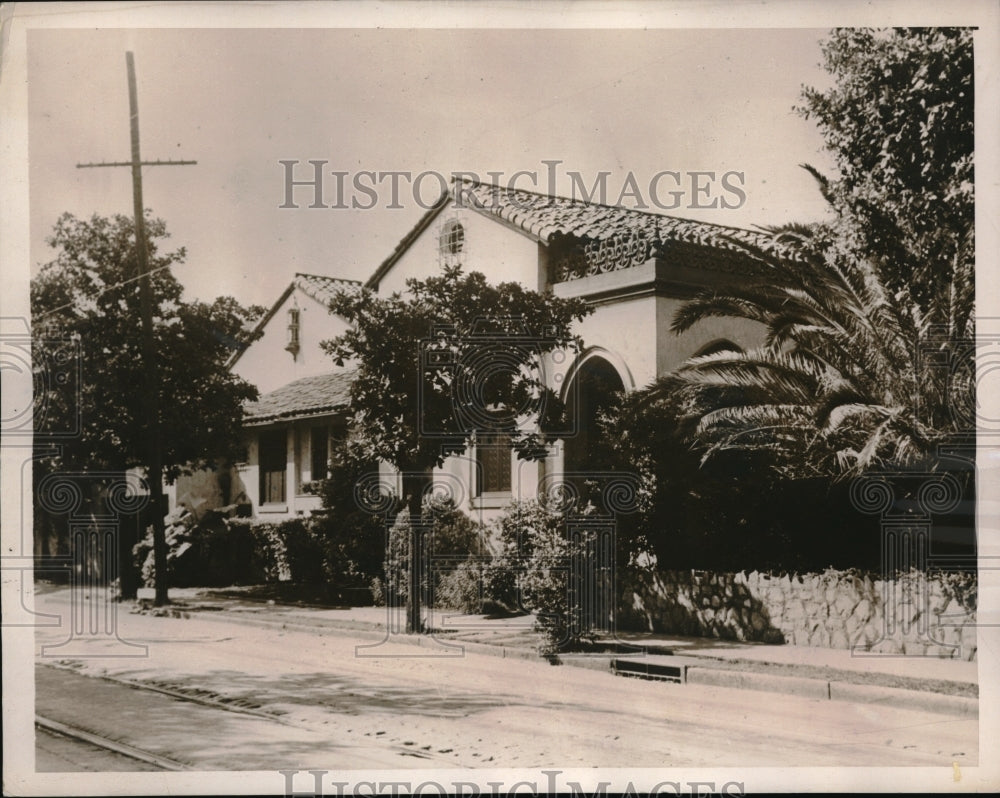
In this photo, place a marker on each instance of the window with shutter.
(493, 456)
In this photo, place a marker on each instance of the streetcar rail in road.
(111, 745)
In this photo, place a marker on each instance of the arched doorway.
(591, 593)
(592, 389)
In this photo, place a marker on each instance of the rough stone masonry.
(913, 613)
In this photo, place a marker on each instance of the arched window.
(452, 238)
(718, 345)
(451, 241)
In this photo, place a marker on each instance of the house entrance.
(591, 593)
(592, 390)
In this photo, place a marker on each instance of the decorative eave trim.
(655, 277)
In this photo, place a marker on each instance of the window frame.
(493, 445)
(267, 449)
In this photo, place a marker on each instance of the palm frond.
(746, 418)
(712, 305)
(842, 414)
(825, 188)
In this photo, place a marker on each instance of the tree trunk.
(127, 525)
(414, 484)
(128, 578)
(159, 544)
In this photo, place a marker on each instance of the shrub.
(203, 552)
(216, 551)
(962, 586)
(353, 550)
(734, 512)
(532, 573)
(377, 588)
(451, 540)
(462, 588)
(353, 541)
(300, 548)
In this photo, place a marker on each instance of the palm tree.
(847, 378)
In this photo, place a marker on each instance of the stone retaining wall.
(930, 614)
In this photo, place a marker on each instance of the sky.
(241, 100)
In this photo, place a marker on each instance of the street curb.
(909, 699)
(363, 630)
(835, 690)
(367, 631)
(701, 673)
(744, 680)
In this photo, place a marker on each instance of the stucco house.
(300, 409)
(633, 267)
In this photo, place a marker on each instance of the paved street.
(272, 698)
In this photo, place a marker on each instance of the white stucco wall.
(525, 476)
(499, 252)
(268, 365)
(202, 490)
(627, 330)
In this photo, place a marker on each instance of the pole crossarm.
(132, 163)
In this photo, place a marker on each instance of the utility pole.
(151, 383)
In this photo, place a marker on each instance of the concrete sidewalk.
(940, 685)
(480, 626)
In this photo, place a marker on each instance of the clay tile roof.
(308, 396)
(543, 216)
(322, 288)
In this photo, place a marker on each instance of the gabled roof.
(547, 218)
(404, 244)
(322, 288)
(308, 396)
(317, 286)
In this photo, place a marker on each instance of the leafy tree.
(846, 381)
(90, 293)
(857, 311)
(899, 123)
(452, 358)
(859, 314)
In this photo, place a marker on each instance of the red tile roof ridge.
(573, 201)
